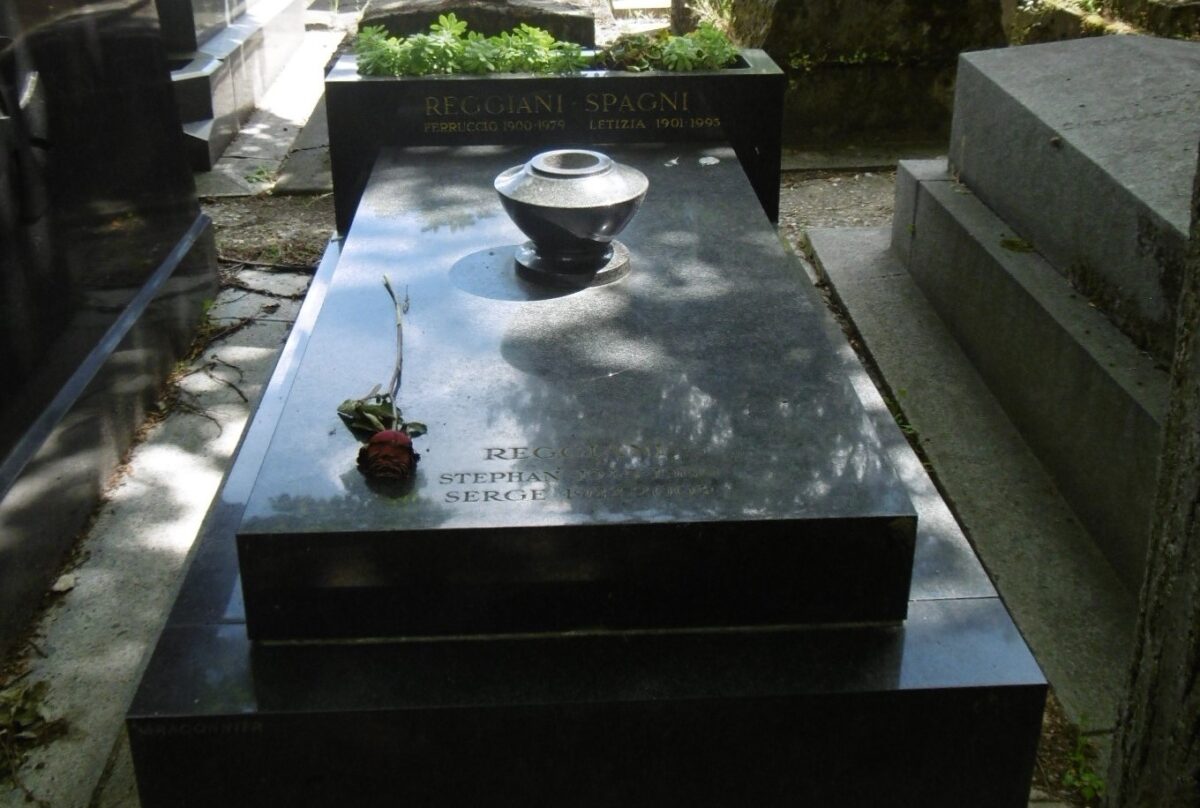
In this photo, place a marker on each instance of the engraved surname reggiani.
(583, 451)
(452, 106)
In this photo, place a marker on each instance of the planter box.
(741, 106)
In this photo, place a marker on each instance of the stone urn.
(572, 203)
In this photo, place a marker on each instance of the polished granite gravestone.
(941, 711)
(105, 264)
(741, 106)
(680, 448)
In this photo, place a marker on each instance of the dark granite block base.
(847, 718)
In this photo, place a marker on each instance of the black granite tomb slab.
(941, 712)
(741, 106)
(105, 264)
(677, 449)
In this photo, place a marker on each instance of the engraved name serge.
(454, 106)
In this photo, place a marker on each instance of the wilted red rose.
(388, 455)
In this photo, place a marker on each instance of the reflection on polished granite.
(943, 710)
(677, 449)
(105, 261)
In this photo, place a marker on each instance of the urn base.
(540, 269)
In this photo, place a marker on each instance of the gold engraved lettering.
(452, 106)
(596, 124)
(643, 102)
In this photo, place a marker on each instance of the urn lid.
(571, 178)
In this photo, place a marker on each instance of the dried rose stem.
(394, 385)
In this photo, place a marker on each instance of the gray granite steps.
(1087, 150)
(1051, 243)
(1089, 403)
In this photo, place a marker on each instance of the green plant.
(261, 175)
(706, 48)
(450, 48)
(1079, 776)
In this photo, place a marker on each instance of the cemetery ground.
(104, 614)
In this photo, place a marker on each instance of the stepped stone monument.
(1051, 244)
(224, 54)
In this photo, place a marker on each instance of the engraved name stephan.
(603, 471)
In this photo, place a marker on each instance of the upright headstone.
(741, 105)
